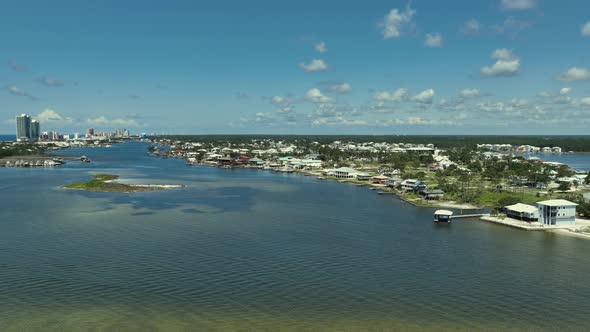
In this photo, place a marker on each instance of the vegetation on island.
(104, 183)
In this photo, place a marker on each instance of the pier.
(475, 215)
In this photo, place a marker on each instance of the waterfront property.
(522, 212)
(557, 212)
(412, 185)
(345, 173)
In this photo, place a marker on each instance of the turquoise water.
(257, 250)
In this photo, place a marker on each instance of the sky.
(298, 67)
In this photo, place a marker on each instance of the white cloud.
(585, 30)
(398, 95)
(507, 64)
(395, 21)
(518, 4)
(341, 88)
(416, 121)
(544, 94)
(469, 93)
(575, 74)
(424, 97)
(314, 65)
(585, 101)
(315, 96)
(278, 100)
(433, 40)
(14, 90)
(321, 47)
(49, 115)
(103, 121)
(471, 27)
(338, 121)
(565, 91)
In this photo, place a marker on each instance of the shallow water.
(257, 250)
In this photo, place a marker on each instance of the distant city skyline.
(305, 67)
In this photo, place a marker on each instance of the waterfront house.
(432, 195)
(380, 179)
(255, 162)
(363, 177)
(226, 161)
(557, 212)
(523, 212)
(311, 163)
(345, 173)
(412, 185)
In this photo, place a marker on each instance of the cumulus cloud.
(518, 4)
(49, 115)
(507, 64)
(575, 74)
(433, 40)
(341, 88)
(395, 21)
(314, 65)
(315, 96)
(104, 121)
(424, 97)
(585, 29)
(585, 101)
(398, 95)
(321, 47)
(278, 100)
(565, 91)
(469, 93)
(471, 27)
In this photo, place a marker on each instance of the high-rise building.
(89, 132)
(23, 128)
(35, 130)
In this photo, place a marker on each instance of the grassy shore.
(105, 183)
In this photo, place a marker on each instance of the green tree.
(508, 200)
(564, 186)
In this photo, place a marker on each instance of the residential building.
(523, 212)
(412, 185)
(345, 173)
(23, 128)
(35, 130)
(557, 212)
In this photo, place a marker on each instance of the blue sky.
(297, 67)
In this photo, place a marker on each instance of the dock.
(476, 215)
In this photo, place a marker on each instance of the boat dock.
(445, 216)
(476, 215)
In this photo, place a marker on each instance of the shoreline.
(520, 225)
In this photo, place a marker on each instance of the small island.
(107, 183)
